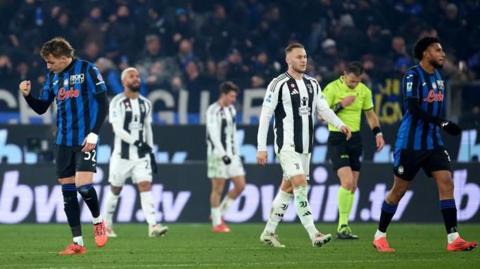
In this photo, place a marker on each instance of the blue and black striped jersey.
(74, 89)
(429, 91)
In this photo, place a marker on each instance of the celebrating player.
(80, 94)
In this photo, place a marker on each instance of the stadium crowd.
(195, 44)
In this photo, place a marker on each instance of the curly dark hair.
(422, 44)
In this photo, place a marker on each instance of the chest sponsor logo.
(67, 94)
(433, 96)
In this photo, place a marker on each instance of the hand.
(25, 87)
(226, 160)
(348, 100)
(451, 128)
(379, 141)
(262, 157)
(143, 148)
(89, 142)
(346, 131)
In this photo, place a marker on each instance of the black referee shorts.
(345, 153)
(71, 159)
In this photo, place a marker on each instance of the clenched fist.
(25, 87)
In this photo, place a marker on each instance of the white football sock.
(111, 202)
(78, 240)
(279, 207)
(216, 216)
(303, 210)
(379, 234)
(225, 204)
(452, 236)
(146, 200)
(98, 219)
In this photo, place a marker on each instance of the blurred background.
(186, 48)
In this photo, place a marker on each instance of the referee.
(348, 97)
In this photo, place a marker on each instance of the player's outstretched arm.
(39, 106)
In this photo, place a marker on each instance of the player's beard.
(436, 64)
(134, 88)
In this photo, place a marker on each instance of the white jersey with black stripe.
(221, 130)
(294, 104)
(131, 120)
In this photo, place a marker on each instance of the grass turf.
(194, 246)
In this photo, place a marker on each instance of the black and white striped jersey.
(131, 120)
(294, 104)
(221, 129)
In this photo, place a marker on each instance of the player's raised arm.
(39, 105)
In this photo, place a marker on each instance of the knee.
(217, 190)
(115, 190)
(348, 185)
(239, 188)
(144, 186)
(84, 189)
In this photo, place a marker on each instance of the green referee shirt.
(352, 114)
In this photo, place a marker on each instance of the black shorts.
(345, 153)
(71, 159)
(408, 162)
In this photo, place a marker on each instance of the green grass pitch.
(194, 246)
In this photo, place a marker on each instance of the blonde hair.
(125, 72)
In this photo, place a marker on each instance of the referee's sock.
(386, 216)
(345, 201)
(72, 209)
(90, 197)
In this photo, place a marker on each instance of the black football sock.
(89, 195)
(386, 216)
(72, 208)
(449, 212)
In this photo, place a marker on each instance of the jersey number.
(90, 156)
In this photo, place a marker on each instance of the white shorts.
(121, 169)
(218, 169)
(294, 163)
